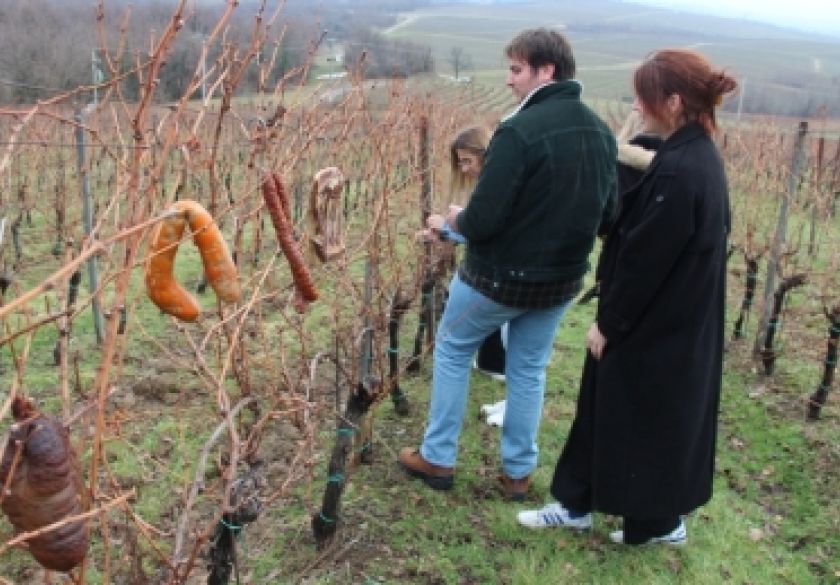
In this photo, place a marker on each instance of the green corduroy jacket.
(547, 182)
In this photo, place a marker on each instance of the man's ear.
(546, 72)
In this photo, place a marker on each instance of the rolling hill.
(785, 71)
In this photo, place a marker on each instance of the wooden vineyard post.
(780, 235)
(815, 207)
(5, 276)
(363, 452)
(425, 326)
(60, 350)
(87, 220)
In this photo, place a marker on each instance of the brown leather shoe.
(515, 490)
(435, 476)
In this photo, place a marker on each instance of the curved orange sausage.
(161, 286)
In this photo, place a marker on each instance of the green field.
(610, 38)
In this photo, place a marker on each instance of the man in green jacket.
(547, 183)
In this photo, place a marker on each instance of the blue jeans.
(468, 318)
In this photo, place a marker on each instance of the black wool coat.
(643, 440)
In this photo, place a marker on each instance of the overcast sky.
(812, 15)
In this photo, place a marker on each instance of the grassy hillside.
(609, 39)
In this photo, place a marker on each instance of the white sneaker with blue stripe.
(494, 408)
(677, 537)
(554, 515)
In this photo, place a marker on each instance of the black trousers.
(491, 353)
(641, 530)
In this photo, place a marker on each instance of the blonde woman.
(466, 154)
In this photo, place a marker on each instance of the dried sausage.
(274, 195)
(219, 268)
(44, 480)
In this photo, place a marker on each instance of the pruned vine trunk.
(399, 305)
(750, 281)
(768, 352)
(222, 557)
(326, 520)
(818, 398)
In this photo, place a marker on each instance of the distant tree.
(385, 57)
(460, 60)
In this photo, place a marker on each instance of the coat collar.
(568, 89)
(683, 135)
(686, 133)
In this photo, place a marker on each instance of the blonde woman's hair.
(473, 139)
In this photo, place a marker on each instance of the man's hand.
(595, 341)
(431, 233)
(452, 217)
(435, 224)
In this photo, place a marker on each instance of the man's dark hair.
(541, 46)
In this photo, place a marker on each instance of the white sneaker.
(488, 409)
(677, 537)
(554, 515)
(496, 419)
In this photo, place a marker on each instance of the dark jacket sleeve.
(648, 251)
(500, 180)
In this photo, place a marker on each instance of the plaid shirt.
(520, 294)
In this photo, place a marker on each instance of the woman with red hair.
(642, 444)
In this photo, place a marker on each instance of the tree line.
(48, 47)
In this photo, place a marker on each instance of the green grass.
(773, 518)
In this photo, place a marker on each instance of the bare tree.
(460, 60)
